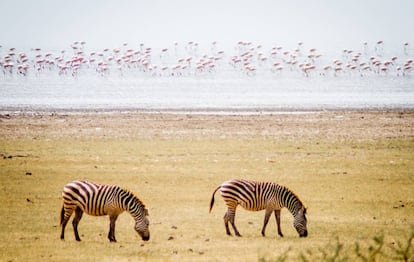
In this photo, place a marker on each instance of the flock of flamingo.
(246, 58)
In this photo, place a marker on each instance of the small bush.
(375, 249)
(401, 251)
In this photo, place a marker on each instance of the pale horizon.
(322, 24)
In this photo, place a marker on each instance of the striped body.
(100, 200)
(256, 196)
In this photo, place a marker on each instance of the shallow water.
(212, 92)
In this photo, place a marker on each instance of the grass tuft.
(373, 250)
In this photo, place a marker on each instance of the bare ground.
(287, 125)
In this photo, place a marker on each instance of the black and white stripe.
(100, 200)
(256, 196)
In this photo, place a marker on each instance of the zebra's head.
(142, 224)
(300, 223)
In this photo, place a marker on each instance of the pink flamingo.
(379, 47)
(406, 48)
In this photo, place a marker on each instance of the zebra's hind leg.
(236, 232)
(64, 219)
(62, 234)
(111, 234)
(226, 223)
(229, 217)
(75, 222)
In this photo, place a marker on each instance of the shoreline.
(353, 124)
(198, 111)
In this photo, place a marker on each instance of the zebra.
(256, 196)
(100, 200)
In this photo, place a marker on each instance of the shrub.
(375, 249)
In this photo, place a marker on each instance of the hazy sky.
(323, 24)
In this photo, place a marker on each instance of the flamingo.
(406, 48)
(337, 69)
(248, 57)
(366, 48)
(379, 47)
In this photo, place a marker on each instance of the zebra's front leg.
(111, 234)
(266, 220)
(277, 215)
(75, 222)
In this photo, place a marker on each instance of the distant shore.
(200, 110)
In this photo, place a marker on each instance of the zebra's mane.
(135, 198)
(296, 196)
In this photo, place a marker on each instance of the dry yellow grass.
(354, 175)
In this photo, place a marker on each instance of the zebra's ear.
(146, 212)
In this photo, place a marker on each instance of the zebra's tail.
(62, 215)
(212, 198)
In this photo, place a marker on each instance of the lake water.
(214, 92)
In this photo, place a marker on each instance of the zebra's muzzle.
(305, 234)
(146, 238)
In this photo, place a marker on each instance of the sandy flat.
(352, 124)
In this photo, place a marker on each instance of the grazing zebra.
(255, 196)
(101, 200)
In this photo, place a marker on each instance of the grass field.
(359, 189)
